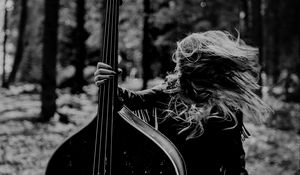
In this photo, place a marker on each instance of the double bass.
(115, 142)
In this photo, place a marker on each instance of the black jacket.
(216, 152)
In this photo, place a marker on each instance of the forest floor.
(26, 146)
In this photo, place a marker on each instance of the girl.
(202, 103)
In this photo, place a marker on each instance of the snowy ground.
(25, 146)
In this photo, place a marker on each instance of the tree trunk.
(244, 21)
(20, 44)
(298, 61)
(81, 36)
(4, 45)
(257, 34)
(297, 6)
(48, 82)
(146, 45)
(276, 44)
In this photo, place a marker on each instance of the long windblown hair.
(214, 70)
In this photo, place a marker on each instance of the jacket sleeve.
(231, 151)
(233, 156)
(145, 99)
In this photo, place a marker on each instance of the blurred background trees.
(148, 34)
(49, 51)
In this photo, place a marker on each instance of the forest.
(49, 51)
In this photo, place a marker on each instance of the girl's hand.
(103, 72)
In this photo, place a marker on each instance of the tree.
(276, 40)
(20, 44)
(48, 82)
(4, 43)
(81, 36)
(244, 21)
(146, 45)
(256, 31)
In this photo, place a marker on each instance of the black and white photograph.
(141, 87)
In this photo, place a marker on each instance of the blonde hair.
(213, 70)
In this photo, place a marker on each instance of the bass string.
(102, 89)
(114, 62)
(109, 58)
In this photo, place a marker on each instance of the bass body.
(133, 153)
